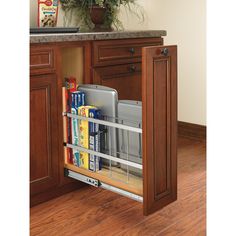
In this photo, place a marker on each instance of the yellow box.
(84, 135)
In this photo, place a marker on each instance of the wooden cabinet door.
(159, 97)
(126, 79)
(43, 133)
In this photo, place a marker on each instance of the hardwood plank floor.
(92, 211)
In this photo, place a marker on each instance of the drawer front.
(42, 60)
(121, 51)
(126, 79)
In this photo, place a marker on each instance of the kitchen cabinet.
(46, 174)
(117, 64)
(137, 69)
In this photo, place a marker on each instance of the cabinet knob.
(164, 51)
(132, 50)
(132, 68)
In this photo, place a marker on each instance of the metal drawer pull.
(164, 51)
(132, 50)
(132, 68)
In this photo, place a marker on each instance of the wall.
(185, 23)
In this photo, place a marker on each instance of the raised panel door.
(159, 99)
(43, 133)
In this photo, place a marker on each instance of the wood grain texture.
(117, 64)
(118, 179)
(41, 60)
(55, 191)
(114, 52)
(159, 122)
(47, 159)
(126, 79)
(43, 133)
(93, 211)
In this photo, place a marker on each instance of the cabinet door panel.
(43, 133)
(41, 60)
(126, 79)
(159, 96)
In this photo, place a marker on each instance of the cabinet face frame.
(159, 117)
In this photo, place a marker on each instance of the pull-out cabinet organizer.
(157, 186)
(115, 174)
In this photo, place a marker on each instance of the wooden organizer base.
(117, 180)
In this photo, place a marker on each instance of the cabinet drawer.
(126, 79)
(42, 60)
(121, 51)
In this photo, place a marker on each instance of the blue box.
(95, 163)
(77, 100)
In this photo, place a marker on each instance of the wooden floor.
(92, 211)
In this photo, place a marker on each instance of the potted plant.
(99, 14)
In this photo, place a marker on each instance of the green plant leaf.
(81, 10)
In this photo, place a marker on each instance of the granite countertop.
(64, 37)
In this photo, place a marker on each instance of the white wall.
(185, 23)
(33, 13)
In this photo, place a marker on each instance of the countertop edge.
(90, 36)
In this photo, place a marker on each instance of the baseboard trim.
(193, 131)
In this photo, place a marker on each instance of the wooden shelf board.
(118, 179)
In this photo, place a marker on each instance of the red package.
(70, 84)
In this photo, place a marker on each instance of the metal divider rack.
(113, 176)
